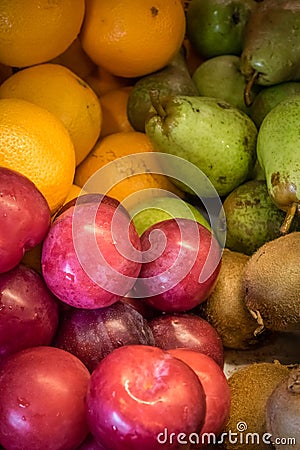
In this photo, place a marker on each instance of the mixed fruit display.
(149, 224)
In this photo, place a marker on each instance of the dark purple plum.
(93, 334)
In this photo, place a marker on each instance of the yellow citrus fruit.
(132, 38)
(102, 81)
(114, 111)
(35, 143)
(68, 97)
(36, 31)
(113, 148)
(75, 59)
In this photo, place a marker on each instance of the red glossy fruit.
(187, 331)
(216, 389)
(28, 311)
(42, 392)
(137, 394)
(24, 217)
(181, 262)
(90, 256)
(93, 334)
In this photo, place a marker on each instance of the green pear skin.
(278, 152)
(216, 137)
(269, 97)
(158, 209)
(252, 219)
(221, 77)
(174, 79)
(271, 42)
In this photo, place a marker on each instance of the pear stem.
(291, 211)
(248, 99)
(154, 97)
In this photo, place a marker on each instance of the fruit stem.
(154, 97)
(248, 99)
(291, 211)
(261, 326)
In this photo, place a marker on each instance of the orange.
(75, 59)
(131, 38)
(36, 31)
(114, 111)
(68, 97)
(102, 81)
(34, 142)
(111, 149)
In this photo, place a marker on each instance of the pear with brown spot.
(278, 152)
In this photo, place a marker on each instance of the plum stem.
(154, 97)
(291, 211)
(248, 99)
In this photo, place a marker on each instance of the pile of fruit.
(149, 224)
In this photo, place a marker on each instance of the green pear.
(216, 137)
(252, 219)
(271, 44)
(221, 77)
(216, 27)
(172, 79)
(269, 97)
(162, 208)
(278, 152)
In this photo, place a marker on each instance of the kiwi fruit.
(225, 308)
(251, 387)
(283, 412)
(271, 280)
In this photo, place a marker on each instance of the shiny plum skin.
(42, 391)
(169, 278)
(187, 331)
(216, 388)
(28, 311)
(138, 392)
(93, 334)
(24, 217)
(89, 286)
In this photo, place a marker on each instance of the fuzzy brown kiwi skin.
(250, 388)
(283, 410)
(271, 280)
(225, 308)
